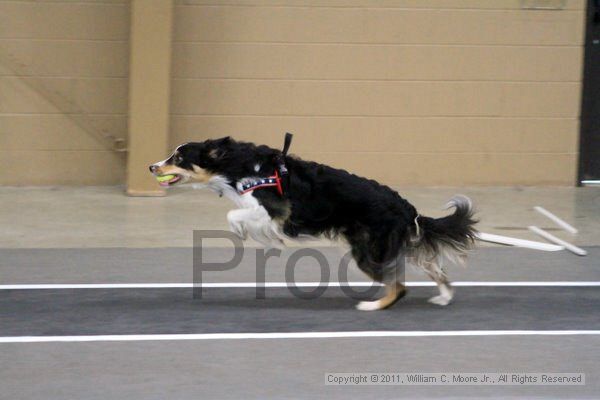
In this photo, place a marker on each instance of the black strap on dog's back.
(280, 160)
(286, 143)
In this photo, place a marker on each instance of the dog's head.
(192, 162)
(200, 161)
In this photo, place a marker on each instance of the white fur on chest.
(251, 218)
(220, 185)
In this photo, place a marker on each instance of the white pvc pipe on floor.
(572, 248)
(510, 241)
(555, 219)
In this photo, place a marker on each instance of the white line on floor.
(285, 284)
(285, 335)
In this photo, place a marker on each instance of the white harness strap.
(417, 226)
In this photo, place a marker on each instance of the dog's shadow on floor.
(341, 303)
(276, 300)
(331, 298)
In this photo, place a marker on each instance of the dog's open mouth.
(168, 180)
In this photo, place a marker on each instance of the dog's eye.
(177, 159)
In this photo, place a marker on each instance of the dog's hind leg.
(393, 292)
(388, 270)
(437, 274)
(445, 296)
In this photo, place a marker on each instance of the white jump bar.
(555, 219)
(528, 244)
(572, 248)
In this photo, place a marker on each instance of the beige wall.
(419, 92)
(428, 92)
(63, 91)
(149, 84)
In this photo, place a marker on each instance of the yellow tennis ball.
(165, 178)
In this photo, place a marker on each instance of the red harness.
(281, 177)
(269, 181)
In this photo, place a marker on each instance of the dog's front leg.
(236, 219)
(256, 223)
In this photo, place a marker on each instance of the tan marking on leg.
(392, 293)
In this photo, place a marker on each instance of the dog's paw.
(369, 305)
(276, 244)
(238, 230)
(440, 300)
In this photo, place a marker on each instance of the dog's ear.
(214, 154)
(219, 147)
(223, 141)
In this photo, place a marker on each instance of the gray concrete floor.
(169, 265)
(72, 312)
(97, 235)
(104, 217)
(289, 369)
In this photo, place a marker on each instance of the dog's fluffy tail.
(448, 237)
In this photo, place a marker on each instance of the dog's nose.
(153, 168)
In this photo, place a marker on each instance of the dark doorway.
(589, 144)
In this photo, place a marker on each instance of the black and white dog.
(280, 196)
